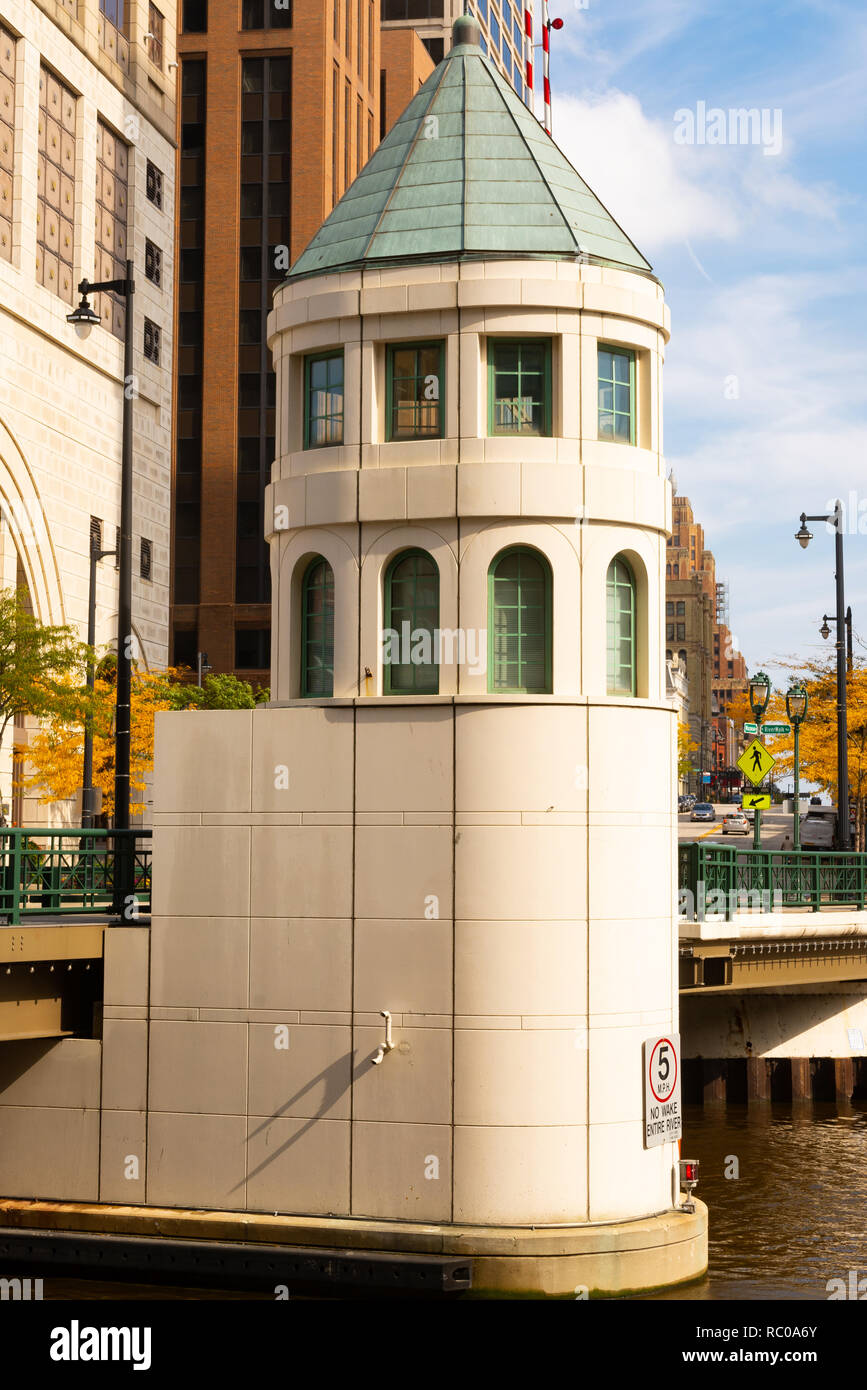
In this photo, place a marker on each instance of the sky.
(761, 245)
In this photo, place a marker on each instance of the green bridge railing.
(724, 878)
(48, 872)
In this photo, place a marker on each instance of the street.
(775, 824)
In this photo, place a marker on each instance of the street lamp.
(760, 694)
(825, 631)
(87, 797)
(803, 537)
(83, 320)
(796, 708)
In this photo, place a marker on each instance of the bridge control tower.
(442, 860)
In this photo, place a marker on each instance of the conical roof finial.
(466, 30)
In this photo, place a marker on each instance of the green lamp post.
(796, 709)
(760, 694)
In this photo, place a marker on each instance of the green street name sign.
(776, 728)
(751, 728)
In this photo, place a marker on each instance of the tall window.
(55, 202)
(519, 622)
(265, 231)
(412, 604)
(195, 17)
(414, 391)
(620, 633)
(7, 139)
(112, 178)
(519, 386)
(616, 394)
(317, 629)
(155, 42)
(112, 30)
(266, 14)
(190, 347)
(324, 400)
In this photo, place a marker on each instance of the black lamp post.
(760, 694)
(796, 708)
(803, 537)
(825, 632)
(87, 797)
(83, 318)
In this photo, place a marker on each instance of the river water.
(793, 1218)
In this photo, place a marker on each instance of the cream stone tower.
(444, 855)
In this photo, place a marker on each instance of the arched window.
(668, 571)
(681, 656)
(621, 628)
(412, 613)
(317, 629)
(677, 571)
(519, 622)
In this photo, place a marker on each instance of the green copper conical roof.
(466, 172)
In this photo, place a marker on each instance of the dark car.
(702, 810)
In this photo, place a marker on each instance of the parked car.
(702, 810)
(819, 828)
(688, 801)
(735, 824)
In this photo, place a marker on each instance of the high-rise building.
(501, 23)
(704, 645)
(87, 127)
(277, 117)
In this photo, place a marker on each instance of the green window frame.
(620, 628)
(520, 590)
(323, 400)
(317, 629)
(412, 607)
(411, 413)
(519, 386)
(616, 394)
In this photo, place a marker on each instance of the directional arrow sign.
(756, 762)
(756, 801)
(776, 729)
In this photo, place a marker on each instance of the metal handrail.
(49, 872)
(768, 878)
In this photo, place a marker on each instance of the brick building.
(697, 632)
(276, 118)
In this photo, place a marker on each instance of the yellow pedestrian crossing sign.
(756, 801)
(756, 762)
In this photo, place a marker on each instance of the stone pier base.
(606, 1260)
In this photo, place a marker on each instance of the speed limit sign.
(662, 1113)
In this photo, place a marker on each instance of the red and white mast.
(546, 64)
(528, 47)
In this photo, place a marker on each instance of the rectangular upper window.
(519, 386)
(616, 372)
(323, 416)
(414, 395)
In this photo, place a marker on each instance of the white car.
(735, 824)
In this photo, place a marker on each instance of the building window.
(324, 400)
(669, 610)
(190, 350)
(317, 629)
(519, 622)
(616, 371)
(681, 608)
(195, 17)
(112, 196)
(114, 11)
(412, 604)
(266, 14)
(620, 622)
(8, 50)
(155, 41)
(146, 559)
(681, 632)
(253, 649)
(55, 203)
(414, 391)
(153, 263)
(669, 632)
(519, 386)
(154, 185)
(152, 337)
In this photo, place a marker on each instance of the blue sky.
(764, 265)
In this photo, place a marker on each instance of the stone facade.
(61, 399)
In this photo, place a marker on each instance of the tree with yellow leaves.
(56, 753)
